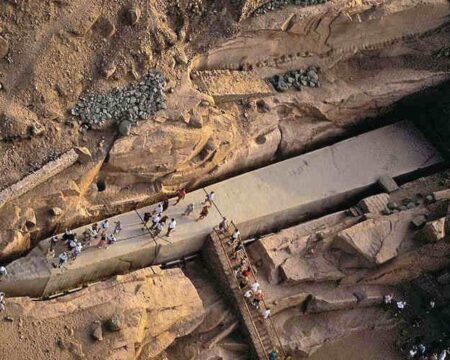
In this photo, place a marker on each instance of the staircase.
(265, 334)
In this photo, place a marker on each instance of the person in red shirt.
(203, 213)
(181, 194)
(246, 272)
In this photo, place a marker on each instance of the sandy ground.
(366, 345)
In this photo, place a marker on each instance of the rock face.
(378, 240)
(155, 307)
(326, 278)
(216, 335)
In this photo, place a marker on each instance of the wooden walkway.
(266, 333)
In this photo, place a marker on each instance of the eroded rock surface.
(154, 307)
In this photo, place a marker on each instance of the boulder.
(13, 242)
(331, 301)
(97, 333)
(108, 70)
(115, 323)
(104, 27)
(181, 58)
(28, 218)
(84, 155)
(55, 211)
(125, 127)
(377, 240)
(297, 269)
(432, 231)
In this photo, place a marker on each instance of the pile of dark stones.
(123, 106)
(296, 79)
(278, 4)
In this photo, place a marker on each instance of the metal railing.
(263, 301)
(245, 303)
(272, 325)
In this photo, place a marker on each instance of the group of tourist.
(74, 245)
(153, 221)
(417, 348)
(249, 285)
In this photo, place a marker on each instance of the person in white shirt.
(172, 226)
(265, 313)
(235, 236)
(248, 294)
(72, 244)
(3, 272)
(110, 239)
(412, 352)
(76, 251)
(62, 259)
(209, 198)
(158, 228)
(401, 305)
(53, 242)
(159, 209)
(255, 286)
(443, 355)
(155, 220)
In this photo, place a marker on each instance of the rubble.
(279, 4)
(296, 79)
(132, 103)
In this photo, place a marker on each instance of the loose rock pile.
(130, 104)
(297, 79)
(278, 4)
